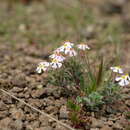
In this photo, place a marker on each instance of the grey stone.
(37, 93)
(35, 124)
(43, 120)
(46, 128)
(117, 126)
(5, 122)
(97, 123)
(94, 129)
(3, 106)
(17, 89)
(3, 114)
(63, 113)
(17, 114)
(59, 127)
(105, 127)
(18, 124)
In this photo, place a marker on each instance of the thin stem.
(43, 113)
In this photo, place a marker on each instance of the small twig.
(43, 113)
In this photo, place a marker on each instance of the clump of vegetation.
(94, 86)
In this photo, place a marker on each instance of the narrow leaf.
(100, 73)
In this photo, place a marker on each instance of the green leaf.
(73, 106)
(79, 99)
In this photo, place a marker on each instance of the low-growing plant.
(94, 86)
(92, 102)
(77, 114)
(74, 115)
(69, 74)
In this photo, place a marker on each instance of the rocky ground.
(17, 75)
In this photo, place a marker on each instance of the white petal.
(128, 78)
(111, 68)
(79, 46)
(52, 56)
(115, 70)
(69, 43)
(59, 64)
(39, 70)
(120, 71)
(121, 83)
(118, 78)
(71, 53)
(60, 58)
(66, 51)
(45, 68)
(88, 47)
(47, 64)
(126, 82)
(83, 46)
(54, 65)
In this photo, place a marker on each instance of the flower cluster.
(59, 55)
(123, 79)
(42, 66)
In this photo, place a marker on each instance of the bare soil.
(17, 75)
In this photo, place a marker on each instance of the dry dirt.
(17, 75)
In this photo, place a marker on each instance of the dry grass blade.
(43, 113)
(100, 73)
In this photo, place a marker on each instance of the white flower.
(57, 56)
(70, 52)
(117, 69)
(123, 80)
(83, 46)
(66, 45)
(55, 64)
(42, 66)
